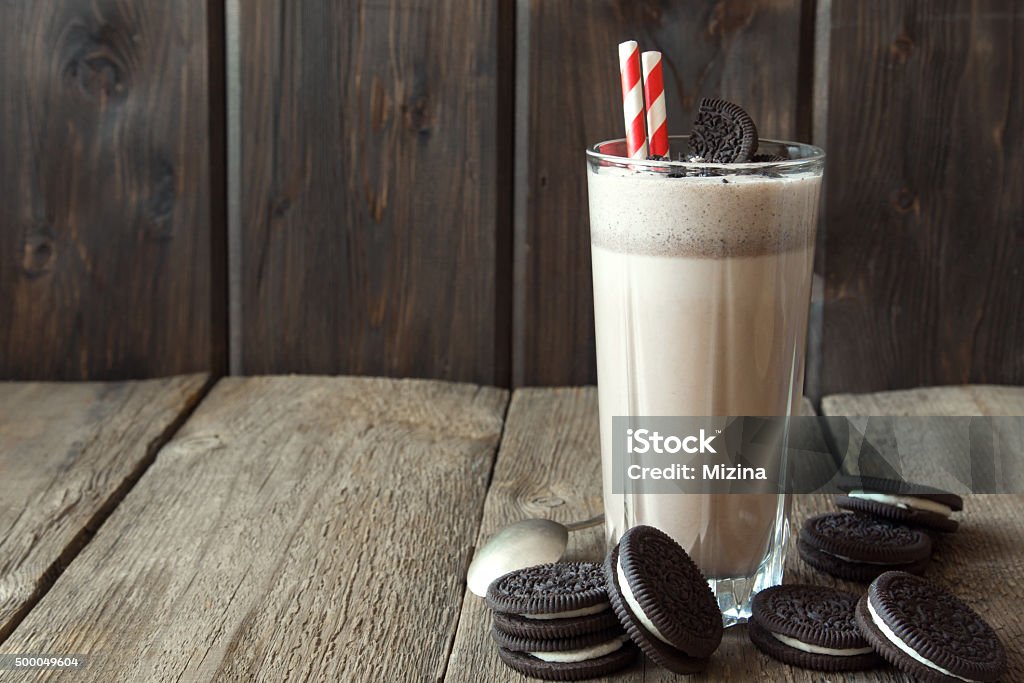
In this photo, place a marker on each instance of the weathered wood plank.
(982, 563)
(68, 454)
(110, 226)
(374, 190)
(549, 465)
(933, 451)
(745, 51)
(294, 529)
(925, 401)
(923, 216)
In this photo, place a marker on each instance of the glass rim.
(815, 155)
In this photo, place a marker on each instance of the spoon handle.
(585, 524)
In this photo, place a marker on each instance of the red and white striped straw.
(632, 99)
(654, 95)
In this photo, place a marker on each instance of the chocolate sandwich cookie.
(929, 633)
(572, 665)
(580, 642)
(560, 590)
(662, 600)
(722, 133)
(812, 627)
(860, 547)
(547, 629)
(901, 501)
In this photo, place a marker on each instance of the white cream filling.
(895, 640)
(817, 649)
(905, 502)
(850, 559)
(583, 654)
(568, 614)
(634, 606)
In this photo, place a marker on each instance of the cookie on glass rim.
(723, 133)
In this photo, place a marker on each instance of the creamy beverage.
(701, 294)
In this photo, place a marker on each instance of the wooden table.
(308, 528)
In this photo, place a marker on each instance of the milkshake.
(701, 293)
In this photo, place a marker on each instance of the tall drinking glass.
(702, 280)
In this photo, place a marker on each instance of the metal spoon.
(523, 544)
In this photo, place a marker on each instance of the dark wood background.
(111, 220)
(396, 187)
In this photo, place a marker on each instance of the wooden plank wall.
(111, 262)
(375, 189)
(410, 190)
(924, 254)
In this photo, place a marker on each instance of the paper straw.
(654, 96)
(632, 99)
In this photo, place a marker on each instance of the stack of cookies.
(813, 627)
(573, 620)
(918, 627)
(886, 525)
(884, 535)
(554, 621)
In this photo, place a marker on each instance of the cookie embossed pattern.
(860, 547)
(928, 632)
(662, 600)
(554, 622)
(812, 627)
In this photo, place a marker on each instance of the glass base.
(735, 594)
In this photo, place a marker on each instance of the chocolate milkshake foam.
(701, 294)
